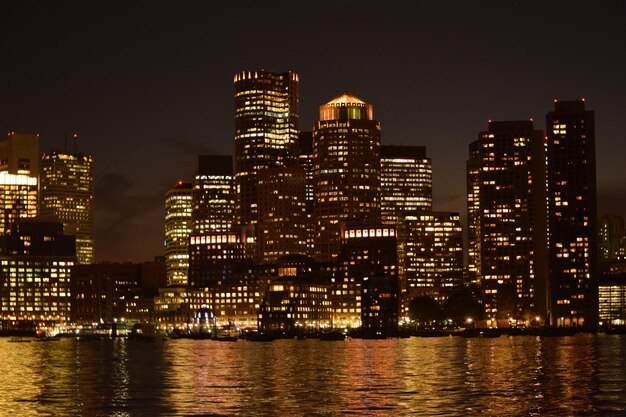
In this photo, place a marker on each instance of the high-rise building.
(506, 211)
(473, 169)
(406, 182)
(67, 195)
(213, 194)
(19, 178)
(346, 145)
(305, 162)
(431, 254)
(35, 262)
(612, 238)
(266, 131)
(365, 291)
(282, 218)
(572, 216)
(178, 227)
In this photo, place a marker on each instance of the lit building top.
(346, 106)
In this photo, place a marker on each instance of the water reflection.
(578, 375)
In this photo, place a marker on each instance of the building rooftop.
(346, 98)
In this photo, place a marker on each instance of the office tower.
(612, 238)
(406, 182)
(215, 257)
(213, 194)
(266, 131)
(36, 258)
(19, 178)
(572, 218)
(431, 254)
(507, 172)
(282, 217)
(346, 145)
(473, 169)
(67, 195)
(368, 253)
(305, 162)
(178, 227)
(612, 299)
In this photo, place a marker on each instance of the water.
(509, 376)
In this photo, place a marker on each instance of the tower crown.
(346, 106)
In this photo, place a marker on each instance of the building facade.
(346, 145)
(282, 227)
(506, 214)
(406, 182)
(35, 262)
(572, 215)
(19, 178)
(367, 254)
(67, 195)
(431, 255)
(213, 194)
(178, 227)
(266, 132)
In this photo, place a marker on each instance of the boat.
(261, 337)
(47, 339)
(19, 340)
(334, 335)
(224, 338)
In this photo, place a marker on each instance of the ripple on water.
(578, 375)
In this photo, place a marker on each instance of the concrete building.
(346, 145)
(67, 195)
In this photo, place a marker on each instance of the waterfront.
(576, 375)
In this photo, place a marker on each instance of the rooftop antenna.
(75, 140)
(65, 145)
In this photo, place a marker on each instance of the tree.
(462, 305)
(425, 309)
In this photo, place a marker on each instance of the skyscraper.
(305, 162)
(67, 195)
(213, 194)
(19, 178)
(178, 227)
(572, 216)
(266, 132)
(506, 208)
(612, 238)
(346, 145)
(431, 255)
(406, 182)
(282, 222)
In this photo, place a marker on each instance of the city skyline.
(445, 76)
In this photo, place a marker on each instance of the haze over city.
(149, 86)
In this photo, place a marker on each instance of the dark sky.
(148, 85)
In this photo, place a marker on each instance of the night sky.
(148, 85)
